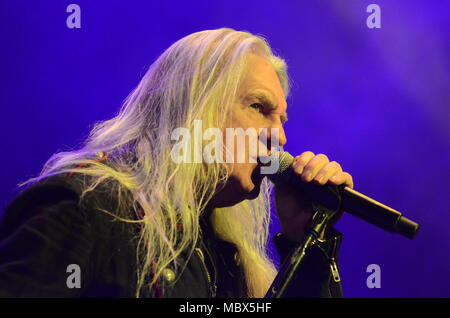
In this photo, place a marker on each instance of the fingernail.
(308, 176)
(320, 179)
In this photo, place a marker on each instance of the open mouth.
(256, 176)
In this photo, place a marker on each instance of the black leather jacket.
(44, 230)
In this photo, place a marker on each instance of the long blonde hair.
(196, 78)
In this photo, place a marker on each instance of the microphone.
(352, 201)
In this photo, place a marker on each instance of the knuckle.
(349, 177)
(305, 157)
(298, 168)
(307, 153)
(336, 165)
(322, 156)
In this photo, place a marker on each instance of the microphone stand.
(292, 264)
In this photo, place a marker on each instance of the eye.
(257, 106)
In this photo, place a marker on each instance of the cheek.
(244, 177)
(244, 119)
(240, 172)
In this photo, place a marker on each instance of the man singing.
(120, 218)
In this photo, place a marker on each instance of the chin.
(253, 187)
(245, 185)
(254, 193)
(245, 189)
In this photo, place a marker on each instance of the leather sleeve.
(318, 276)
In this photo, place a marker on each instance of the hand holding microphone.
(309, 177)
(293, 206)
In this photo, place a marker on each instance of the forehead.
(260, 75)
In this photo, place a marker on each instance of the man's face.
(260, 104)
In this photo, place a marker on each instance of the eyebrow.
(262, 96)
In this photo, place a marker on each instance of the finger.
(314, 166)
(342, 178)
(329, 170)
(301, 161)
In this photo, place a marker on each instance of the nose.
(276, 135)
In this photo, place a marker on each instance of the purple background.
(375, 100)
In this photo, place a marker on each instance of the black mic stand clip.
(291, 266)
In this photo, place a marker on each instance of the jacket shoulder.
(44, 193)
(53, 191)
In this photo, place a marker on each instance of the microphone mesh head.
(284, 162)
